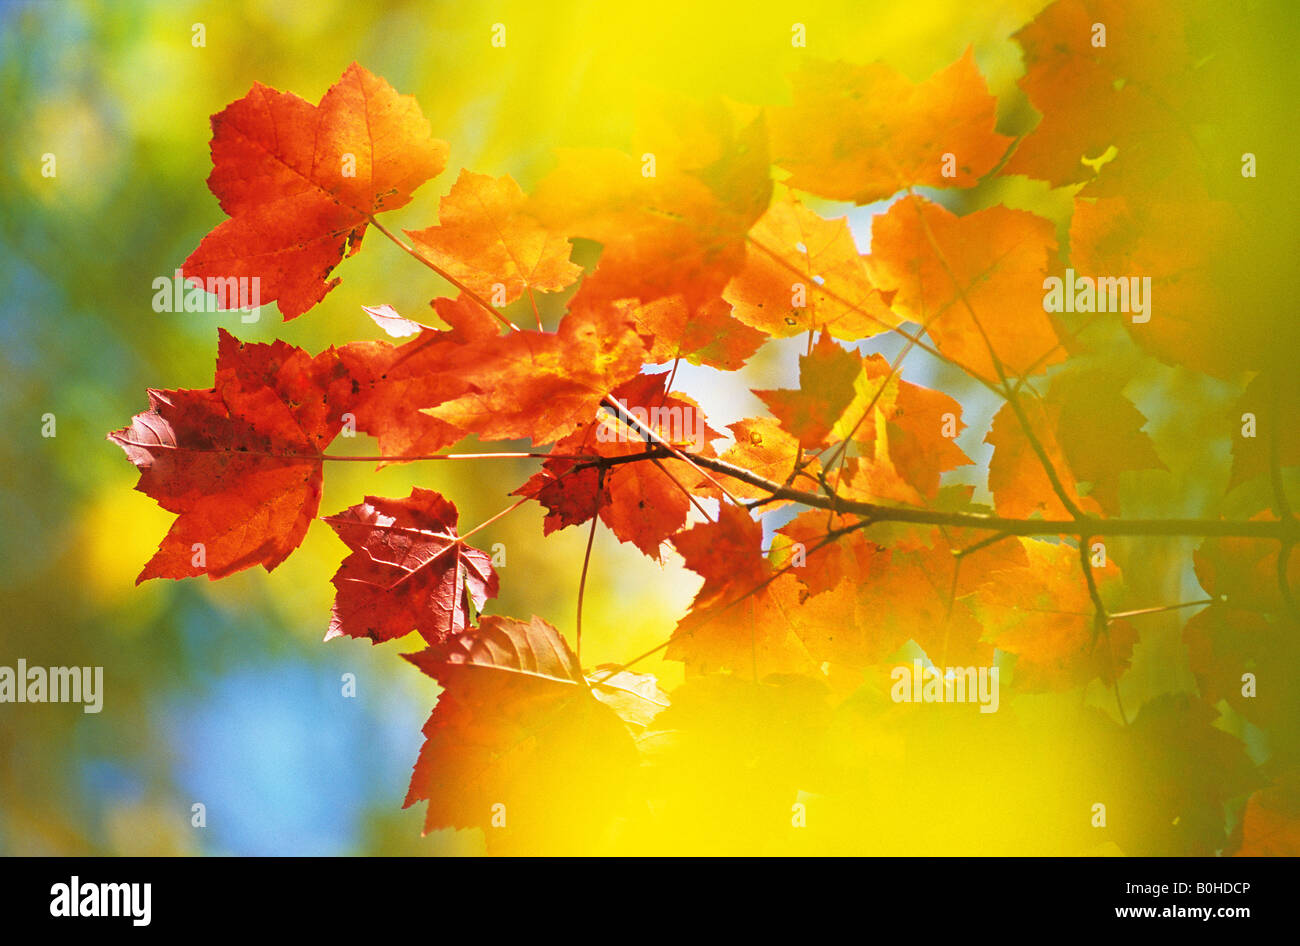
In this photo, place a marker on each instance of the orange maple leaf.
(861, 133)
(675, 230)
(542, 385)
(763, 448)
(976, 282)
(395, 382)
(1042, 613)
(912, 428)
(485, 239)
(1271, 821)
(825, 389)
(1189, 251)
(1133, 86)
(804, 273)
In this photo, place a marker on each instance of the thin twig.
(1008, 392)
(1163, 608)
(653, 438)
(586, 562)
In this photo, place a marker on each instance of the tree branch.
(1284, 530)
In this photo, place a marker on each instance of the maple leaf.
(911, 432)
(542, 385)
(941, 608)
(875, 480)
(1042, 613)
(518, 725)
(976, 567)
(725, 552)
(1245, 571)
(299, 182)
(729, 625)
(1173, 772)
(395, 382)
(1135, 90)
(1089, 431)
(485, 238)
(675, 230)
(1190, 252)
(705, 335)
(825, 389)
(975, 282)
(1224, 643)
(1017, 478)
(571, 494)
(643, 503)
(919, 444)
(861, 133)
(763, 448)
(1271, 821)
(865, 601)
(1271, 398)
(1221, 644)
(408, 570)
(240, 463)
(818, 565)
(830, 633)
(1099, 431)
(804, 273)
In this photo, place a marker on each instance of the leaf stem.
(586, 564)
(470, 293)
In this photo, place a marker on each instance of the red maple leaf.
(739, 619)
(643, 503)
(408, 570)
(240, 463)
(518, 726)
